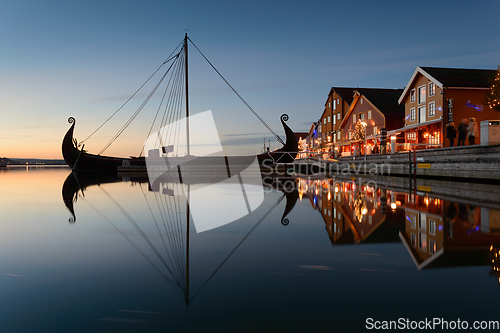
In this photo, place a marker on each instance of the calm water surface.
(349, 252)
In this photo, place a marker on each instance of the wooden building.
(336, 105)
(435, 97)
(377, 109)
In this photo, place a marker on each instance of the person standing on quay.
(462, 132)
(472, 130)
(451, 133)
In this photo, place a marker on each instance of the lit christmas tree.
(493, 96)
(358, 134)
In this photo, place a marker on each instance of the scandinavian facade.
(376, 109)
(436, 96)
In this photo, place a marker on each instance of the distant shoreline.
(31, 161)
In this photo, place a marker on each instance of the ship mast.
(187, 92)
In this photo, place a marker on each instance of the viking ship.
(176, 88)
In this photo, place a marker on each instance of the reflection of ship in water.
(437, 231)
(169, 211)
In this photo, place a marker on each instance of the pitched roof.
(452, 78)
(461, 77)
(345, 93)
(385, 100)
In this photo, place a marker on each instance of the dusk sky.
(85, 58)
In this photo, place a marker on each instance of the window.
(421, 114)
(432, 89)
(338, 116)
(422, 241)
(324, 120)
(354, 118)
(362, 116)
(350, 135)
(375, 130)
(338, 135)
(361, 101)
(369, 114)
(413, 221)
(422, 221)
(334, 120)
(334, 136)
(330, 104)
(432, 246)
(338, 101)
(328, 118)
(432, 227)
(421, 94)
(334, 104)
(432, 109)
(413, 240)
(412, 114)
(412, 96)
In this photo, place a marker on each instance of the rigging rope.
(241, 98)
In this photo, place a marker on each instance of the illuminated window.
(369, 114)
(432, 109)
(338, 135)
(350, 135)
(354, 118)
(412, 114)
(421, 94)
(422, 241)
(375, 130)
(412, 96)
(432, 227)
(432, 89)
(334, 120)
(432, 246)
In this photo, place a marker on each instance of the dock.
(460, 163)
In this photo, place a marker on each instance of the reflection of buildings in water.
(495, 265)
(441, 233)
(352, 212)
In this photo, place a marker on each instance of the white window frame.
(413, 114)
(433, 109)
(334, 104)
(419, 94)
(324, 121)
(432, 89)
(422, 241)
(334, 120)
(369, 114)
(413, 239)
(420, 113)
(328, 119)
(338, 135)
(354, 118)
(338, 116)
(432, 227)
(375, 130)
(432, 246)
(413, 93)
